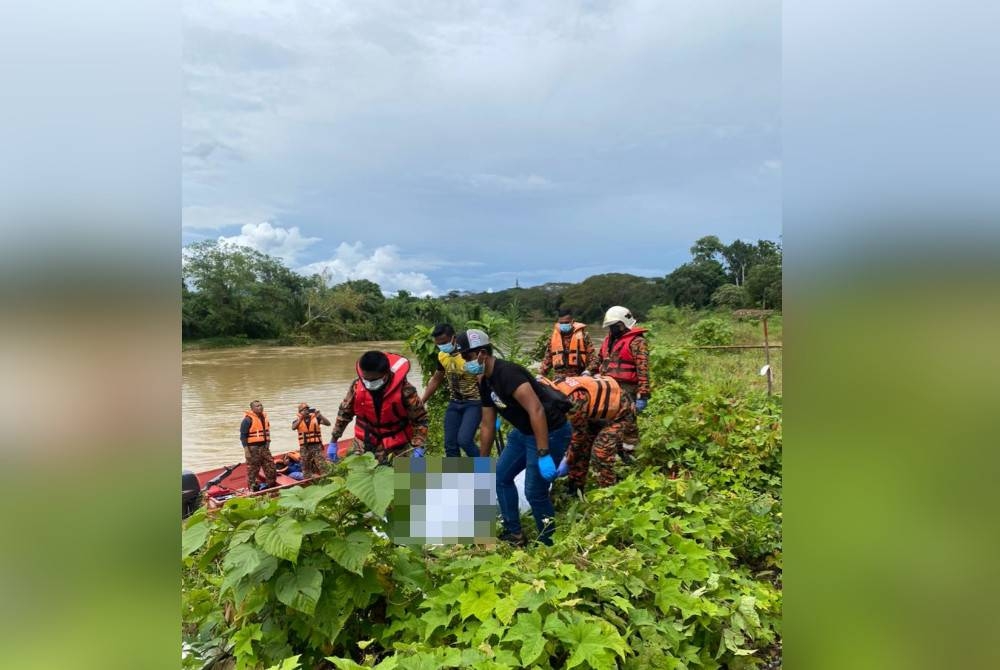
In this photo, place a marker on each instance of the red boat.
(214, 487)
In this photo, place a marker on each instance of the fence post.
(767, 358)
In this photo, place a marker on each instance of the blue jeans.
(522, 454)
(461, 420)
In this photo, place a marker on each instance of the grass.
(723, 366)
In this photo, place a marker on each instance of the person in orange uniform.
(569, 350)
(391, 419)
(624, 356)
(598, 415)
(307, 423)
(255, 436)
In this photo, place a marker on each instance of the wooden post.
(767, 358)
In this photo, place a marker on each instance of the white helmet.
(619, 313)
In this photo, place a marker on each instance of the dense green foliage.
(712, 331)
(677, 566)
(756, 269)
(231, 295)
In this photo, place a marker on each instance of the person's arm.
(640, 351)
(578, 414)
(417, 414)
(296, 421)
(546, 360)
(588, 349)
(432, 385)
(322, 419)
(525, 395)
(594, 363)
(244, 430)
(344, 414)
(487, 430)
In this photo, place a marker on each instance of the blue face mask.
(446, 348)
(474, 367)
(565, 327)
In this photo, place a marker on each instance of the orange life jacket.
(309, 433)
(619, 363)
(574, 354)
(259, 432)
(392, 428)
(604, 395)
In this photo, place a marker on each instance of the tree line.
(232, 292)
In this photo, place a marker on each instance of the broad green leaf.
(408, 570)
(244, 638)
(351, 552)
(306, 498)
(244, 532)
(281, 539)
(433, 621)
(593, 644)
(246, 561)
(313, 526)
(748, 610)
(478, 604)
(375, 488)
(199, 516)
(344, 663)
(528, 629)
(300, 589)
(505, 609)
(290, 663)
(193, 538)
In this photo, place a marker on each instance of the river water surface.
(218, 385)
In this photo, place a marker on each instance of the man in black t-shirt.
(537, 442)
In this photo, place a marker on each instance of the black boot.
(516, 539)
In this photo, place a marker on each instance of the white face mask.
(373, 385)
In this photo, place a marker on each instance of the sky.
(437, 146)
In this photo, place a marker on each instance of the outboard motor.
(190, 494)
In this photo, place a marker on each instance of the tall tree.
(739, 257)
(694, 283)
(707, 248)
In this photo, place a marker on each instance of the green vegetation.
(679, 565)
(236, 295)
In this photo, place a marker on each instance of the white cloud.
(384, 266)
(771, 165)
(284, 243)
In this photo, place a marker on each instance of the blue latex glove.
(547, 467)
(331, 452)
(640, 404)
(563, 468)
(417, 453)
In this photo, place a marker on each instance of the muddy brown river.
(218, 385)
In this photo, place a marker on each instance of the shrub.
(730, 295)
(712, 331)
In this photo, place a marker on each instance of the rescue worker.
(307, 423)
(569, 350)
(255, 436)
(391, 419)
(464, 412)
(624, 356)
(599, 410)
(537, 441)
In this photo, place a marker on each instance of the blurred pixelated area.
(444, 501)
